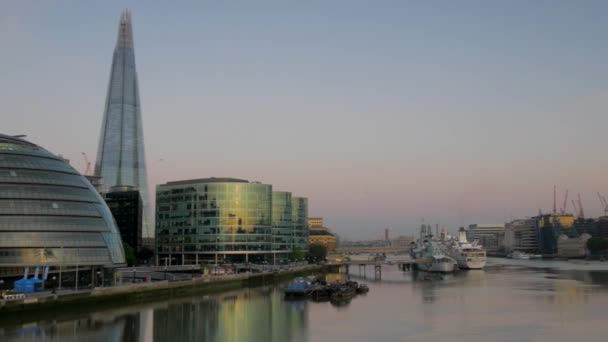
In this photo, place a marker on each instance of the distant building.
(318, 234)
(387, 235)
(126, 206)
(402, 241)
(550, 227)
(572, 247)
(491, 236)
(521, 235)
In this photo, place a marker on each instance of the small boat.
(321, 292)
(299, 288)
(343, 293)
(520, 255)
(362, 289)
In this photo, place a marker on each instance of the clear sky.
(380, 112)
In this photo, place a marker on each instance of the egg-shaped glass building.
(50, 215)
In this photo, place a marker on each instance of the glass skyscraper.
(121, 159)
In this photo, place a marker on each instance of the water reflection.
(505, 302)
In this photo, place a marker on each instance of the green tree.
(297, 254)
(318, 252)
(597, 245)
(129, 254)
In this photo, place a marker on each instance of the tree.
(129, 254)
(297, 254)
(597, 245)
(318, 252)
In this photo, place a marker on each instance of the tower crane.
(563, 210)
(574, 206)
(554, 205)
(604, 203)
(87, 164)
(580, 207)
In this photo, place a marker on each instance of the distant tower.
(387, 234)
(121, 159)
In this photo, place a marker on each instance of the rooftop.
(209, 180)
(15, 140)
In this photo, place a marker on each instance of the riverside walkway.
(140, 290)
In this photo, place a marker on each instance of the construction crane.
(581, 213)
(604, 203)
(554, 195)
(574, 206)
(87, 164)
(563, 210)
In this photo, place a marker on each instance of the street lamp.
(54, 284)
(98, 278)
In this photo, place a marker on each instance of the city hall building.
(226, 220)
(51, 217)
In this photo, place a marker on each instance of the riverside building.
(51, 217)
(319, 234)
(225, 220)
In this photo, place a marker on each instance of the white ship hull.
(472, 264)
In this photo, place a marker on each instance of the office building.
(299, 216)
(225, 220)
(127, 208)
(491, 236)
(282, 225)
(120, 155)
(319, 234)
(521, 235)
(50, 215)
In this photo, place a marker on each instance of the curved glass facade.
(299, 209)
(213, 219)
(282, 225)
(49, 213)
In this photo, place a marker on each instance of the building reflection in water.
(248, 315)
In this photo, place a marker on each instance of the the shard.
(121, 159)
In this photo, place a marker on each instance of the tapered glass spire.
(120, 155)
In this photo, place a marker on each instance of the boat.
(362, 289)
(298, 288)
(430, 255)
(468, 255)
(520, 255)
(343, 293)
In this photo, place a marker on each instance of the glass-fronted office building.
(299, 216)
(50, 215)
(222, 220)
(282, 225)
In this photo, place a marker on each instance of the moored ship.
(430, 255)
(468, 255)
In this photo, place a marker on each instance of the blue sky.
(382, 113)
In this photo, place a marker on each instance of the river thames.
(511, 300)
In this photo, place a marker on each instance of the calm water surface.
(512, 300)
